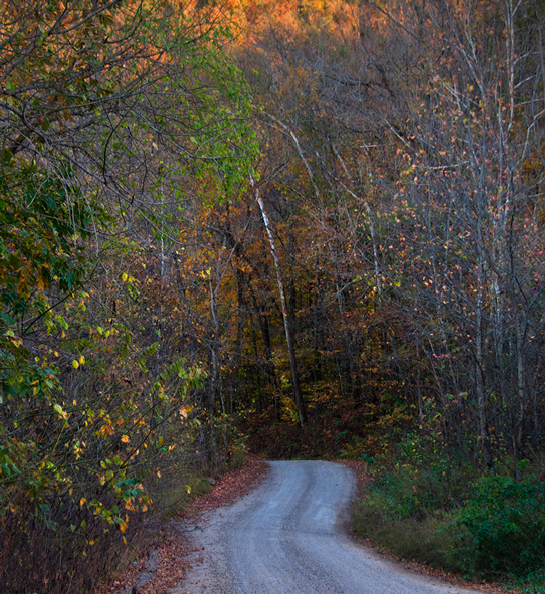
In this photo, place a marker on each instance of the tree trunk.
(297, 394)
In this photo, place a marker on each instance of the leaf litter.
(167, 565)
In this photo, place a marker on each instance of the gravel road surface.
(289, 536)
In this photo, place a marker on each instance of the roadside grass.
(534, 584)
(420, 540)
(173, 494)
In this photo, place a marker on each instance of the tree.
(112, 116)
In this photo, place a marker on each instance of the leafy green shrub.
(502, 528)
(405, 511)
(415, 491)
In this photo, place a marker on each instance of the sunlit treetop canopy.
(99, 103)
(89, 82)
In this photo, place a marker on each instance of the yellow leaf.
(60, 411)
(82, 501)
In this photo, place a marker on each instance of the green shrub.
(411, 491)
(437, 509)
(502, 528)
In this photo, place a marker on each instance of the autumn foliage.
(311, 227)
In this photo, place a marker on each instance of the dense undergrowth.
(63, 558)
(445, 510)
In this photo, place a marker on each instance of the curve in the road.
(287, 538)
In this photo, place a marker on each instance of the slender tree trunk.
(479, 370)
(518, 430)
(297, 393)
(419, 381)
(216, 386)
(241, 322)
(318, 331)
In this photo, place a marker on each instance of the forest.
(298, 228)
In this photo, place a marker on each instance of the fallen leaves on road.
(361, 471)
(172, 554)
(233, 485)
(172, 565)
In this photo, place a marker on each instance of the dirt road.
(289, 536)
